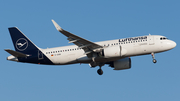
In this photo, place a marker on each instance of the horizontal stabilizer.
(15, 53)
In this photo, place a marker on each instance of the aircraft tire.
(154, 60)
(100, 71)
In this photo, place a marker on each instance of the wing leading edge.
(86, 45)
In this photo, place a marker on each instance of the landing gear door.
(151, 40)
(40, 55)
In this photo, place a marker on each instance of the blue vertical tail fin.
(21, 42)
(26, 50)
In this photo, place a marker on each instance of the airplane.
(115, 53)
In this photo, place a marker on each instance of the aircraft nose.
(172, 44)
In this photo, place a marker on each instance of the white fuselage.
(130, 46)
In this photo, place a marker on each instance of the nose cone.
(174, 44)
(171, 44)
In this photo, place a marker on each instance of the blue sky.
(95, 20)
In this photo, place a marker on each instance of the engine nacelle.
(115, 51)
(121, 64)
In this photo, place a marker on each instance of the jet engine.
(121, 64)
(115, 51)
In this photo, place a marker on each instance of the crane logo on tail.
(21, 44)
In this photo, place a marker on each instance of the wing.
(86, 45)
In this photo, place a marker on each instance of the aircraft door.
(151, 40)
(40, 55)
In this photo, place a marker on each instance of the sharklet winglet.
(57, 26)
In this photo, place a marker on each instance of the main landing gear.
(153, 56)
(94, 64)
(100, 71)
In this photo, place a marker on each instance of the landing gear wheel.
(99, 71)
(154, 60)
(153, 56)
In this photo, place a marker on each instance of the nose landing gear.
(153, 56)
(154, 60)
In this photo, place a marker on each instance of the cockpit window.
(163, 38)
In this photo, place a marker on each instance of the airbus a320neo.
(115, 53)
